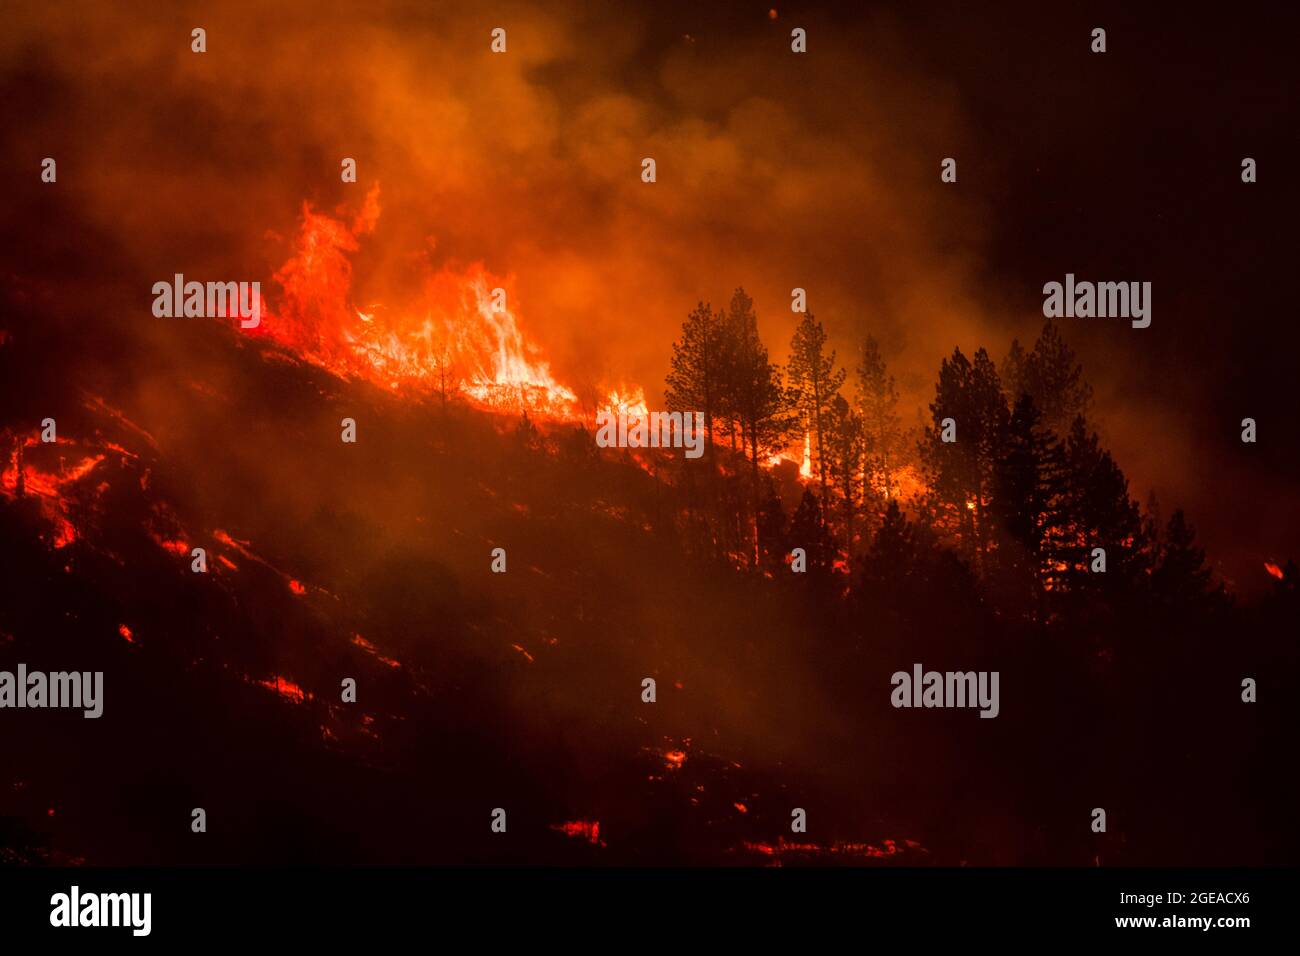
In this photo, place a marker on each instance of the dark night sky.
(1127, 165)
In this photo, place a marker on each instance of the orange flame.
(463, 337)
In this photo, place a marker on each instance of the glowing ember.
(865, 851)
(175, 547)
(1273, 569)
(369, 648)
(588, 830)
(674, 759)
(296, 587)
(285, 688)
(126, 633)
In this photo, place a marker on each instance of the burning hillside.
(461, 336)
(665, 466)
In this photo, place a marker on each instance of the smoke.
(775, 170)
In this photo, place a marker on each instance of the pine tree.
(1180, 574)
(1014, 372)
(881, 427)
(814, 382)
(808, 531)
(753, 396)
(694, 376)
(761, 406)
(889, 562)
(960, 474)
(1052, 375)
(1096, 512)
(844, 458)
(1026, 494)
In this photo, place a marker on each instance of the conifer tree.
(844, 459)
(960, 474)
(814, 382)
(694, 376)
(877, 404)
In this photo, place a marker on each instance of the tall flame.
(464, 337)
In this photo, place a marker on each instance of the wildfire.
(460, 336)
(1273, 569)
(29, 474)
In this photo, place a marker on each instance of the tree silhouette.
(1096, 512)
(1051, 375)
(694, 376)
(815, 382)
(844, 461)
(877, 403)
(755, 398)
(1180, 575)
(808, 531)
(1025, 498)
(960, 474)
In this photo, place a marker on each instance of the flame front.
(462, 336)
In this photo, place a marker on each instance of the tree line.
(1006, 475)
